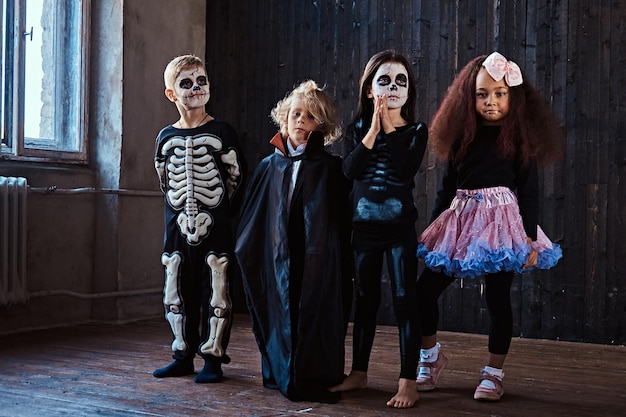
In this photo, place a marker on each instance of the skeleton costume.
(201, 172)
(383, 222)
(293, 245)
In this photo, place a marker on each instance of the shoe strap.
(487, 376)
(425, 373)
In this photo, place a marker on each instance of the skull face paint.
(391, 80)
(188, 84)
(191, 88)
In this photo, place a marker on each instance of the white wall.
(93, 245)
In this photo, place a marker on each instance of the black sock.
(180, 367)
(212, 372)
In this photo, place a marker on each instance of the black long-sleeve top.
(384, 176)
(482, 168)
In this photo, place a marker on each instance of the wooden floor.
(105, 370)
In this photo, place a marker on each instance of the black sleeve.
(237, 182)
(407, 149)
(527, 183)
(447, 190)
(355, 155)
(159, 161)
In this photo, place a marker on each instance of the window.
(44, 80)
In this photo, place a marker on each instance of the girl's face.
(492, 98)
(300, 123)
(391, 79)
(191, 88)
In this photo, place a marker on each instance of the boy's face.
(300, 123)
(392, 80)
(191, 89)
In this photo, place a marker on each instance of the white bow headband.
(498, 67)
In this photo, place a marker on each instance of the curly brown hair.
(318, 102)
(530, 130)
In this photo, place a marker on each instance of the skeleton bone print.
(194, 182)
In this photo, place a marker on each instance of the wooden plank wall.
(572, 51)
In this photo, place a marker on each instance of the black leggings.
(498, 294)
(402, 268)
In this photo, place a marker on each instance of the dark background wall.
(95, 257)
(572, 51)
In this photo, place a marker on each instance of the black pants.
(194, 283)
(497, 291)
(398, 245)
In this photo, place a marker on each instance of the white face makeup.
(191, 88)
(391, 80)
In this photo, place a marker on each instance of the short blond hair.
(317, 102)
(178, 64)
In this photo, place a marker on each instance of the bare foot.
(356, 380)
(407, 395)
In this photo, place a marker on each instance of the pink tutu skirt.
(481, 233)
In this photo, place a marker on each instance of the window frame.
(15, 146)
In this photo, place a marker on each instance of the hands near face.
(381, 117)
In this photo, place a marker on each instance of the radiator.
(13, 193)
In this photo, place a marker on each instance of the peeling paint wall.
(89, 245)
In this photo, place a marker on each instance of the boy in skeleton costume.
(200, 166)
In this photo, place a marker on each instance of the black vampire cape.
(296, 265)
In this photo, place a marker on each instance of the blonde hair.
(178, 64)
(317, 102)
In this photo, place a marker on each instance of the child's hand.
(380, 119)
(378, 109)
(532, 256)
(385, 118)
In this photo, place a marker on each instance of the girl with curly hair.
(493, 129)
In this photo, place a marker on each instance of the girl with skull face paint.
(383, 149)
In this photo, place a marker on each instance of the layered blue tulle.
(481, 233)
(489, 261)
